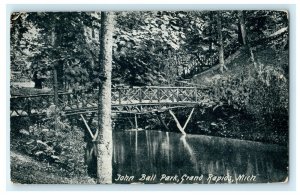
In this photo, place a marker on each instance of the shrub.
(64, 146)
(262, 91)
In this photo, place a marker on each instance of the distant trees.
(258, 84)
(143, 42)
(73, 58)
(147, 47)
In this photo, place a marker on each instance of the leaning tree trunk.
(244, 36)
(220, 40)
(104, 138)
(242, 27)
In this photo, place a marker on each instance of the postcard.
(149, 97)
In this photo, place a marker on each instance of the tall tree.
(104, 138)
(244, 35)
(55, 85)
(220, 40)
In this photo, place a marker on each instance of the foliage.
(148, 46)
(61, 41)
(263, 23)
(142, 42)
(259, 91)
(145, 45)
(158, 48)
(151, 45)
(63, 146)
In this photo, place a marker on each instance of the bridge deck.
(124, 100)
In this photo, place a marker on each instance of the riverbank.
(229, 123)
(251, 101)
(220, 122)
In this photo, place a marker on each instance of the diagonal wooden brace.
(89, 130)
(181, 129)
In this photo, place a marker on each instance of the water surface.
(165, 157)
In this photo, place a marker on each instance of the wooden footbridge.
(132, 100)
(136, 100)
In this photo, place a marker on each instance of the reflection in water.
(157, 152)
(190, 152)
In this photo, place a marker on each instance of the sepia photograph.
(149, 97)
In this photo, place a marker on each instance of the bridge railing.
(38, 104)
(154, 94)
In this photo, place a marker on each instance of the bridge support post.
(120, 98)
(88, 128)
(158, 95)
(196, 95)
(140, 95)
(181, 129)
(29, 107)
(136, 124)
(162, 121)
(177, 123)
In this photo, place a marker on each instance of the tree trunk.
(242, 27)
(104, 139)
(220, 40)
(244, 36)
(58, 71)
(60, 74)
(211, 17)
(55, 86)
(240, 37)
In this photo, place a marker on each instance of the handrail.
(39, 94)
(113, 89)
(124, 99)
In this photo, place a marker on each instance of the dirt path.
(22, 158)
